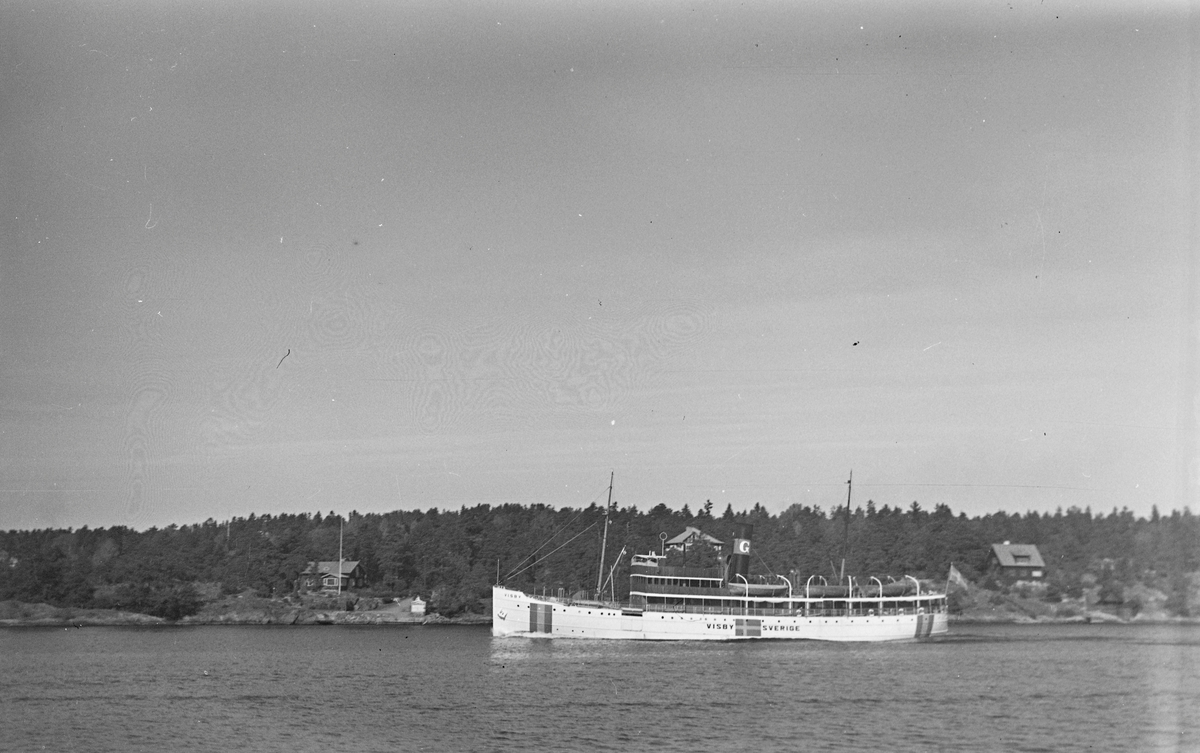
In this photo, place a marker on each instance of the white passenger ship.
(682, 603)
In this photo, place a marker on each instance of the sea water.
(391, 688)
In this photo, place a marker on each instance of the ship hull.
(517, 614)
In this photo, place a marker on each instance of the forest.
(452, 557)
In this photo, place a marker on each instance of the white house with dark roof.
(690, 537)
(323, 576)
(1018, 561)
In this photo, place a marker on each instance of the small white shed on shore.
(418, 605)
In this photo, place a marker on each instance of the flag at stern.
(956, 581)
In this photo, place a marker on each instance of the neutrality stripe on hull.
(540, 620)
(924, 626)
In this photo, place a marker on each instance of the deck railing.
(931, 605)
(736, 612)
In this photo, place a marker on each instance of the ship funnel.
(739, 561)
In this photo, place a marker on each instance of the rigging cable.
(763, 562)
(552, 551)
(567, 525)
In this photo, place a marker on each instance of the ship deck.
(742, 606)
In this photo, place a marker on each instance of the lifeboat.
(758, 589)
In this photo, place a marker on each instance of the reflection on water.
(385, 688)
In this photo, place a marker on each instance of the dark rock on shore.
(16, 614)
(237, 610)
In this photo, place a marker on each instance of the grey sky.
(277, 257)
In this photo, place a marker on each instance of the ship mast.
(846, 529)
(604, 539)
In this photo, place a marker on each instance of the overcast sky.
(295, 257)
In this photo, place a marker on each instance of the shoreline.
(1093, 618)
(265, 612)
(20, 614)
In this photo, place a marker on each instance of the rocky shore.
(245, 610)
(982, 605)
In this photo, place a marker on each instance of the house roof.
(690, 534)
(1018, 555)
(330, 567)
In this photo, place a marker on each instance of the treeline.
(453, 557)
